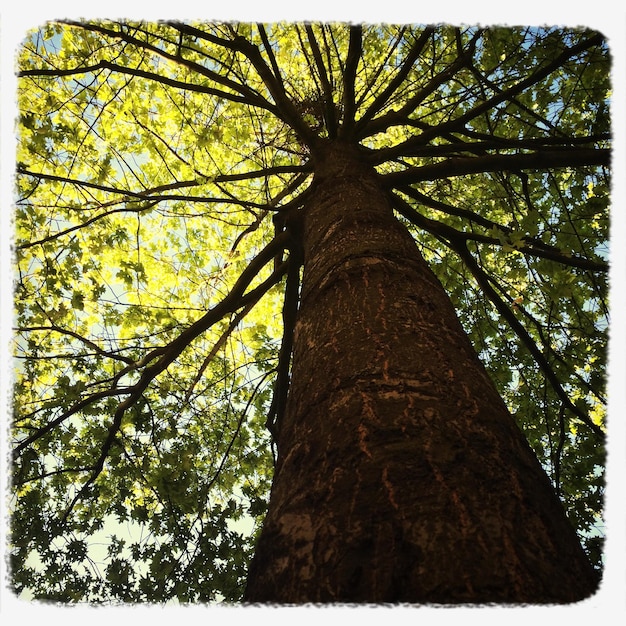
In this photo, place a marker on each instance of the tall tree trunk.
(401, 475)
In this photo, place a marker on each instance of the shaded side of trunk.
(401, 475)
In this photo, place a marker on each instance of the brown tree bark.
(401, 475)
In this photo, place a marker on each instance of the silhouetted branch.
(458, 243)
(290, 310)
(352, 61)
(231, 302)
(458, 124)
(407, 65)
(163, 80)
(462, 166)
(250, 96)
(329, 107)
(163, 356)
(483, 280)
(527, 245)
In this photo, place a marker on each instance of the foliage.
(149, 274)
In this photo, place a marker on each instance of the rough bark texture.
(401, 475)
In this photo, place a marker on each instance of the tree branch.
(250, 96)
(531, 245)
(458, 124)
(458, 147)
(381, 99)
(164, 80)
(329, 108)
(458, 242)
(394, 118)
(148, 193)
(233, 301)
(271, 56)
(483, 280)
(462, 166)
(66, 331)
(290, 310)
(349, 76)
(286, 109)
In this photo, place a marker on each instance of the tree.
(240, 246)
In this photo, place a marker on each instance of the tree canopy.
(156, 165)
